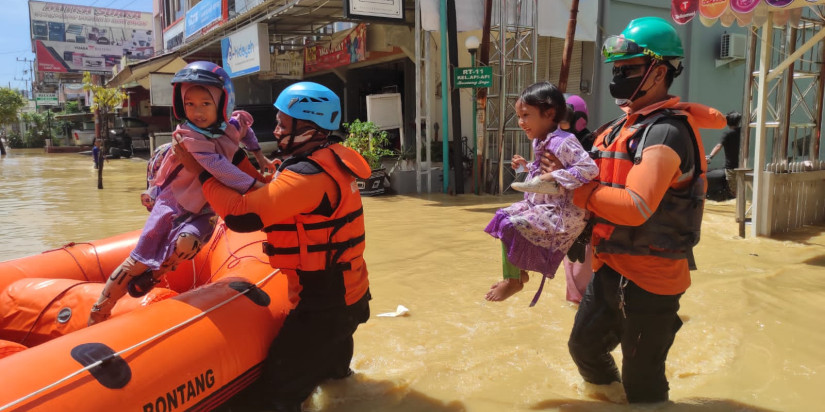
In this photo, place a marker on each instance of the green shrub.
(366, 139)
(15, 141)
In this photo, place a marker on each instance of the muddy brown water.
(752, 338)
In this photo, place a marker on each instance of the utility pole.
(458, 148)
(30, 72)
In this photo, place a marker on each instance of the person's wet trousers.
(616, 311)
(311, 347)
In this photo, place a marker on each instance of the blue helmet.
(207, 74)
(312, 102)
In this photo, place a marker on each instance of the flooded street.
(752, 338)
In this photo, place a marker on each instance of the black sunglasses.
(623, 71)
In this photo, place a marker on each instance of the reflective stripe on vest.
(674, 227)
(314, 242)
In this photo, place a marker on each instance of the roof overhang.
(290, 23)
(74, 116)
(139, 72)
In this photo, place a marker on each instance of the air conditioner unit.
(733, 46)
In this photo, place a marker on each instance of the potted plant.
(371, 142)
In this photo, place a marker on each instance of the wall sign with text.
(375, 9)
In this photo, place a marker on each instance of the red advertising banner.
(350, 49)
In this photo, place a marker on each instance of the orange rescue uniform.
(312, 215)
(628, 194)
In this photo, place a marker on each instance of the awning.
(139, 72)
(72, 117)
(743, 12)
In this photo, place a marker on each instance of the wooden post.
(101, 155)
(569, 40)
(455, 103)
(481, 93)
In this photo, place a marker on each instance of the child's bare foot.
(505, 288)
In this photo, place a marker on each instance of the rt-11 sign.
(473, 77)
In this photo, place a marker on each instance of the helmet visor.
(198, 76)
(619, 47)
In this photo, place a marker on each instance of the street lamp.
(472, 43)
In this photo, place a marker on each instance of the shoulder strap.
(594, 150)
(644, 128)
(610, 125)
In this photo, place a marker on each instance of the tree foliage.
(36, 131)
(104, 101)
(10, 103)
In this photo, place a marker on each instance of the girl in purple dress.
(180, 221)
(537, 232)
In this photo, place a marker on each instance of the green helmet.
(645, 36)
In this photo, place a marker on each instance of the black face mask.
(625, 89)
(622, 88)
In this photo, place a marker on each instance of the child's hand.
(267, 166)
(186, 159)
(549, 162)
(518, 161)
(147, 201)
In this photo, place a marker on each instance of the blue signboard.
(242, 53)
(202, 15)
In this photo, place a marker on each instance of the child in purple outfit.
(180, 220)
(537, 232)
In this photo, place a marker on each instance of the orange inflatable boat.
(190, 344)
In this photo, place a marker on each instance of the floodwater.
(752, 338)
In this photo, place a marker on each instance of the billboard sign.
(246, 51)
(69, 38)
(202, 16)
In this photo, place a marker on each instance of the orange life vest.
(674, 228)
(324, 244)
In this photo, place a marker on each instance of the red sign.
(683, 11)
(47, 59)
(350, 49)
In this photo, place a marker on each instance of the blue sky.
(16, 42)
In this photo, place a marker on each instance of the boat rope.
(139, 344)
(82, 270)
(233, 259)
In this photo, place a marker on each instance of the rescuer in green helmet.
(648, 46)
(647, 208)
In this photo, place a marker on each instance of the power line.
(30, 72)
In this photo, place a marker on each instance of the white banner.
(173, 36)
(45, 99)
(160, 90)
